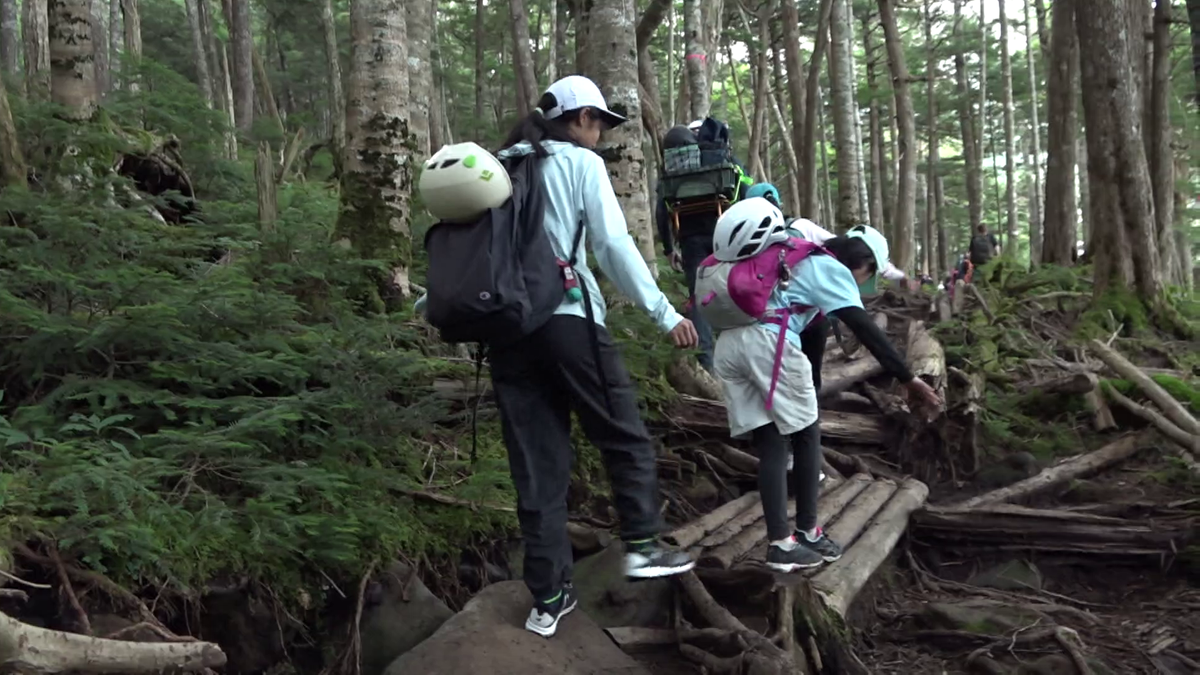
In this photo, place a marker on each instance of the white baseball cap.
(576, 91)
(696, 124)
(878, 244)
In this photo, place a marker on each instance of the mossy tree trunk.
(12, 160)
(10, 37)
(198, 50)
(36, 34)
(72, 63)
(337, 100)
(420, 26)
(377, 170)
(1063, 83)
(614, 57)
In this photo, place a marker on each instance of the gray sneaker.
(799, 558)
(822, 545)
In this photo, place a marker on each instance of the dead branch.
(636, 639)
(453, 501)
(1069, 640)
(1119, 450)
(983, 305)
(1122, 366)
(1188, 441)
(29, 649)
(85, 626)
(742, 461)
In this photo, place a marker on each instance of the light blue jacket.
(578, 188)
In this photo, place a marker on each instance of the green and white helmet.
(462, 181)
(878, 244)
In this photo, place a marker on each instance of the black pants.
(693, 250)
(812, 343)
(538, 383)
(773, 450)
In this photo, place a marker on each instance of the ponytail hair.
(852, 252)
(536, 129)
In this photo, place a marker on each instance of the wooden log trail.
(708, 418)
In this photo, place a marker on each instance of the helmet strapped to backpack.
(462, 181)
(747, 228)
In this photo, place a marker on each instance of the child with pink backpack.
(761, 288)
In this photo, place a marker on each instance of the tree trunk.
(204, 79)
(242, 57)
(1159, 134)
(581, 10)
(939, 202)
(10, 37)
(758, 127)
(1010, 141)
(231, 147)
(695, 60)
(333, 74)
(712, 13)
(875, 128)
(420, 71)
(36, 30)
(796, 99)
(1122, 211)
(863, 197)
(828, 212)
(1084, 187)
(527, 86)
(778, 96)
(72, 68)
(116, 40)
(100, 43)
(562, 61)
(1035, 221)
(131, 19)
(808, 159)
(936, 255)
(902, 250)
(377, 168)
(966, 123)
(12, 161)
(1062, 121)
(1183, 241)
(439, 108)
(843, 84)
(984, 128)
(265, 94)
(611, 24)
(479, 81)
(1193, 11)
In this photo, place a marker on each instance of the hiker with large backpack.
(816, 334)
(549, 359)
(984, 246)
(700, 178)
(761, 288)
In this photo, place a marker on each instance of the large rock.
(403, 614)
(611, 599)
(489, 636)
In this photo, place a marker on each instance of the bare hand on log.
(923, 397)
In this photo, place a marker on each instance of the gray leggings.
(773, 448)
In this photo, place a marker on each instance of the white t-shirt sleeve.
(614, 248)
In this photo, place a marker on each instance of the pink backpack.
(736, 294)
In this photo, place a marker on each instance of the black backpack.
(981, 249)
(495, 280)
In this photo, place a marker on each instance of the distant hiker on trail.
(984, 246)
(569, 362)
(816, 334)
(700, 178)
(761, 288)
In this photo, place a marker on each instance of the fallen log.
(742, 461)
(1119, 450)
(844, 375)
(854, 518)
(29, 649)
(737, 546)
(926, 358)
(1070, 383)
(1190, 442)
(686, 376)
(838, 584)
(1102, 417)
(1010, 527)
(1174, 409)
(708, 417)
(689, 534)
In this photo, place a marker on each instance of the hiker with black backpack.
(984, 246)
(556, 358)
(761, 288)
(700, 178)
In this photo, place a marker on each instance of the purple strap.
(780, 317)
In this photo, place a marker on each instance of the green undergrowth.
(186, 402)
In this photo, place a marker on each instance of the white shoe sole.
(549, 631)
(656, 572)
(792, 567)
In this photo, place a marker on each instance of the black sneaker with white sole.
(543, 618)
(798, 557)
(651, 559)
(823, 546)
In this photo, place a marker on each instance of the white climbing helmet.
(878, 244)
(695, 125)
(747, 228)
(462, 181)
